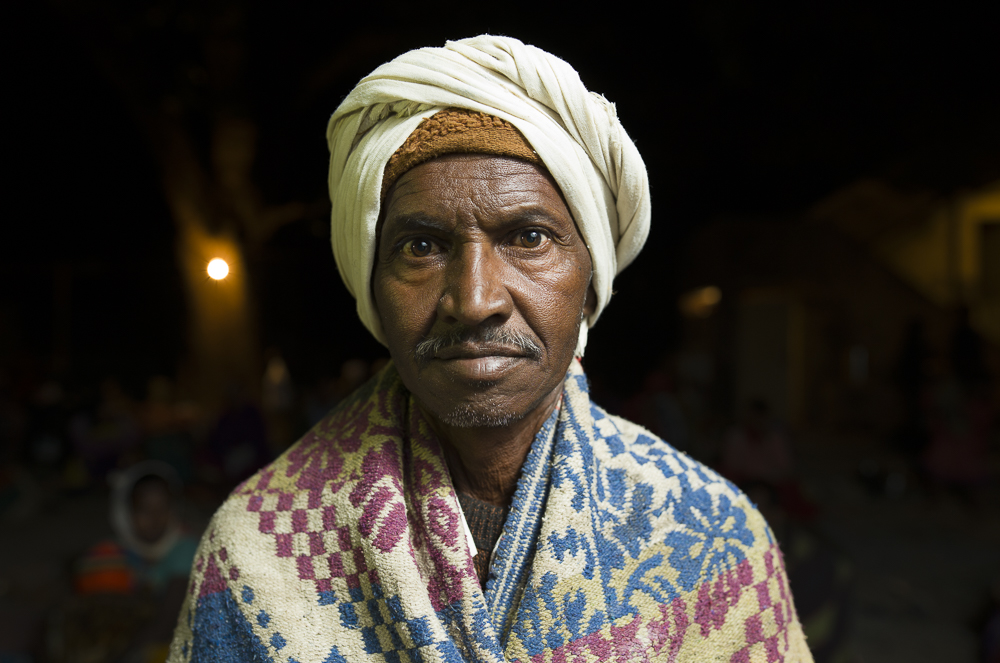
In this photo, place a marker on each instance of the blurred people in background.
(910, 377)
(353, 374)
(237, 445)
(819, 573)
(960, 415)
(168, 427)
(278, 403)
(757, 456)
(968, 353)
(657, 408)
(329, 392)
(990, 628)
(104, 434)
(48, 449)
(34, 448)
(127, 591)
(12, 420)
(757, 450)
(319, 401)
(146, 519)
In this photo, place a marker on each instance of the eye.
(418, 248)
(531, 239)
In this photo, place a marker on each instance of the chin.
(480, 415)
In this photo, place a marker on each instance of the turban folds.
(576, 134)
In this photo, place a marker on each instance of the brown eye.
(531, 238)
(418, 248)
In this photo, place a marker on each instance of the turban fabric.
(576, 134)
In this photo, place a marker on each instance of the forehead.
(471, 180)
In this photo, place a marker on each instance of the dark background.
(744, 115)
(737, 110)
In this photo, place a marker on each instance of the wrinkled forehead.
(455, 175)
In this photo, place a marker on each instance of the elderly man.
(470, 503)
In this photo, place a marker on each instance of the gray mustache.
(511, 338)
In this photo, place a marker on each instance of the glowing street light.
(218, 269)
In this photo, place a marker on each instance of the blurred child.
(144, 516)
(129, 591)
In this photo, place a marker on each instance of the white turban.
(575, 133)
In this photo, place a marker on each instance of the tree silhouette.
(181, 70)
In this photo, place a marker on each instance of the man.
(470, 503)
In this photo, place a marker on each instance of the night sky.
(739, 111)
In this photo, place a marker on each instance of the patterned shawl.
(351, 547)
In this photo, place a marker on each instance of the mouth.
(463, 351)
(478, 362)
(484, 355)
(484, 369)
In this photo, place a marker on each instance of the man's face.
(481, 282)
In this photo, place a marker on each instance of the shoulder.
(326, 458)
(696, 542)
(715, 547)
(324, 453)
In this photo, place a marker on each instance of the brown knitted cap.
(457, 131)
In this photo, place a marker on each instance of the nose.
(474, 292)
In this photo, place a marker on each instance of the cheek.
(554, 295)
(401, 307)
(563, 272)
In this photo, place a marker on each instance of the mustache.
(495, 336)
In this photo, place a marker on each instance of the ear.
(590, 305)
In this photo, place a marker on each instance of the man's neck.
(485, 462)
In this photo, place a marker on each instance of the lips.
(478, 363)
(474, 351)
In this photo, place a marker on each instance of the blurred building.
(948, 249)
(810, 314)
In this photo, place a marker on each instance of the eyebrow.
(529, 214)
(414, 221)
